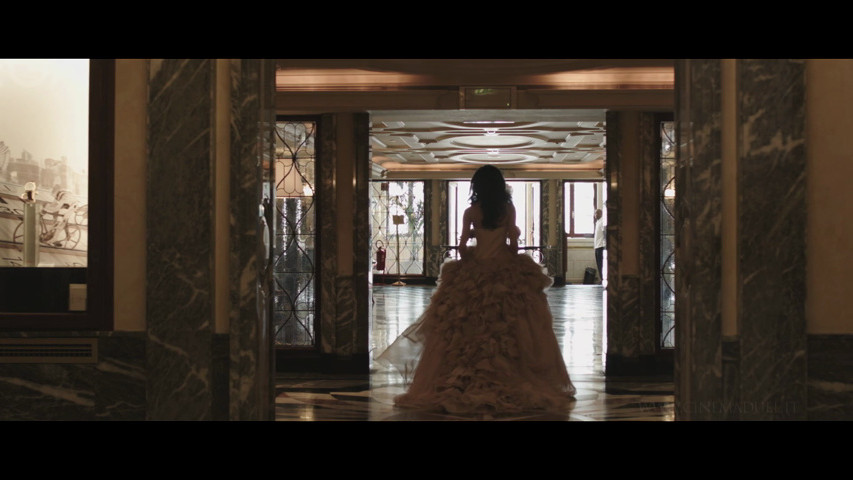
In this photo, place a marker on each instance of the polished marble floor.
(578, 323)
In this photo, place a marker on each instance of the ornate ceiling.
(448, 143)
(443, 118)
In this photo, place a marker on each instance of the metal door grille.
(400, 198)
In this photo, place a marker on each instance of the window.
(57, 143)
(526, 197)
(581, 201)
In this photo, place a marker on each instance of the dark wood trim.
(99, 271)
(101, 193)
(287, 360)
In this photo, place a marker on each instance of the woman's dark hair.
(489, 188)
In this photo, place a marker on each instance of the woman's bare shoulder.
(473, 211)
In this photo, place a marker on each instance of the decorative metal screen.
(667, 234)
(401, 199)
(294, 254)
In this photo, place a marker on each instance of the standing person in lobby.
(599, 242)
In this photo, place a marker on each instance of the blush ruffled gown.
(486, 342)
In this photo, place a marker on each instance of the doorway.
(581, 200)
(526, 197)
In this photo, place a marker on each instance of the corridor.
(578, 324)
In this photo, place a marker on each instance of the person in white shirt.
(599, 242)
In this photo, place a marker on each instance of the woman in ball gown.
(486, 342)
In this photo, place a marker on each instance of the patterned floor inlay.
(578, 323)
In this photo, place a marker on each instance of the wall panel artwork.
(44, 148)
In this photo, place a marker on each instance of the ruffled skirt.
(485, 343)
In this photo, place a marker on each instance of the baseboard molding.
(312, 362)
(380, 280)
(644, 365)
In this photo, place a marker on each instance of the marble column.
(771, 238)
(698, 205)
(250, 352)
(649, 237)
(551, 216)
(760, 373)
(179, 236)
(630, 172)
(327, 232)
(435, 197)
(430, 250)
(343, 311)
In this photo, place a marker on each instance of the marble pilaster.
(649, 274)
(612, 170)
(771, 237)
(436, 197)
(327, 234)
(551, 200)
(345, 320)
(698, 241)
(631, 316)
(759, 374)
(250, 347)
(430, 250)
(179, 238)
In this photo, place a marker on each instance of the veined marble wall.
(700, 361)
(194, 372)
(771, 237)
(614, 217)
(760, 374)
(179, 237)
(327, 234)
(649, 274)
(343, 310)
(250, 349)
(111, 389)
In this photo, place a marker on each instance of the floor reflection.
(578, 324)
